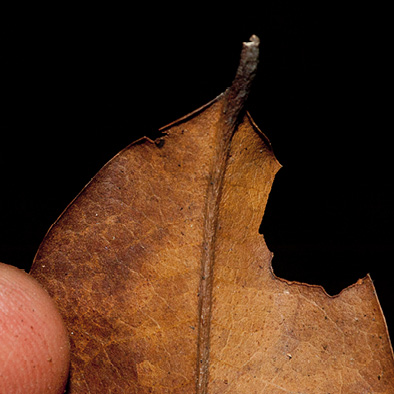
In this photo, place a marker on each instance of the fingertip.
(34, 346)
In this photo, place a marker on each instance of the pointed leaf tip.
(253, 41)
(238, 92)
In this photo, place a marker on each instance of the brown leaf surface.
(166, 285)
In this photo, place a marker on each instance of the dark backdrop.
(81, 84)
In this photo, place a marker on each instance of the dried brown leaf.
(166, 285)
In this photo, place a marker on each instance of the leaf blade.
(167, 232)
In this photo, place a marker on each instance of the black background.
(80, 84)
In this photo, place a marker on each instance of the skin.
(34, 346)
